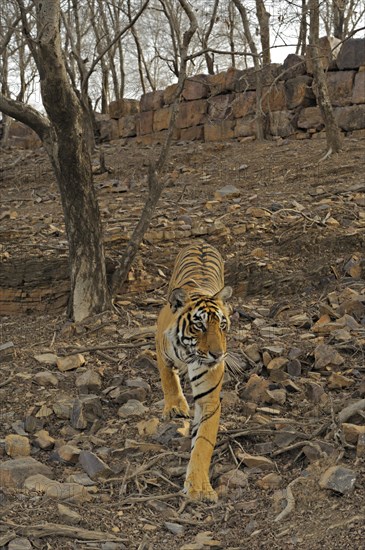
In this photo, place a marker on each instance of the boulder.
(216, 83)
(13, 473)
(293, 66)
(169, 94)
(219, 131)
(192, 113)
(280, 124)
(352, 54)
(340, 85)
(108, 129)
(195, 87)
(161, 119)
(245, 126)
(358, 92)
(243, 104)
(192, 134)
(351, 117)
(127, 126)
(299, 92)
(144, 123)
(273, 97)
(123, 107)
(152, 101)
(220, 106)
(310, 118)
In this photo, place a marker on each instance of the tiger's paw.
(202, 493)
(178, 409)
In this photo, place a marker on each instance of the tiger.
(191, 337)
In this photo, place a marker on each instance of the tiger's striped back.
(199, 268)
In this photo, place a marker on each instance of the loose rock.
(20, 543)
(94, 466)
(352, 432)
(227, 192)
(234, 478)
(174, 528)
(67, 515)
(338, 479)
(85, 409)
(72, 492)
(338, 381)
(89, 380)
(46, 359)
(14, 472)
(45, 378)
(70, 362)
(327, 355)
(132, 408)
(270, 481)
(260, 462)
(43, 440)
(17, 446)
(69, 454)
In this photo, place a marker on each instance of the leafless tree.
(256, 61)
(155, 182)
(263, 18)
(333, 134)
(62, 136)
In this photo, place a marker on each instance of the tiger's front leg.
(175, 402)
(204, 437)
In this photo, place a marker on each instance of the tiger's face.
(201, 326)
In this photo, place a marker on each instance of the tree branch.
(155, 183)
(113, 41)
(26, 114)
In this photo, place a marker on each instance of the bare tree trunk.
(5, 92)
(302, 39)
(209, 58)
(263, 17)
(64, 142)
(338, 8)
(333, 134)
(155, 183)
(231, 34)
(71, 161)
(260, 117)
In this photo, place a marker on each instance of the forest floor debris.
(81, 404)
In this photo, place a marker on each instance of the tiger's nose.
(216, 355)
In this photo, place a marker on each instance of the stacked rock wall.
(223, 106)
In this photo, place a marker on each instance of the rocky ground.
(87, 462)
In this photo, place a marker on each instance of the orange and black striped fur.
(191, 336)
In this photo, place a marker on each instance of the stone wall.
(223, 106)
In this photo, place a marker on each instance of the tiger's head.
(201, 325)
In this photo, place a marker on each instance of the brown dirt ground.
(282, 261)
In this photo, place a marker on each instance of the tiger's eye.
(199, 326)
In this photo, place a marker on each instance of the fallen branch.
(350, 410)
(290, 500)
(341, 524)
(294, 446)
(59, 530)
(167, 496)
(7, 381)
(144, 467)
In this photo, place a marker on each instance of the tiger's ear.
(177, 298)
(224, 294)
